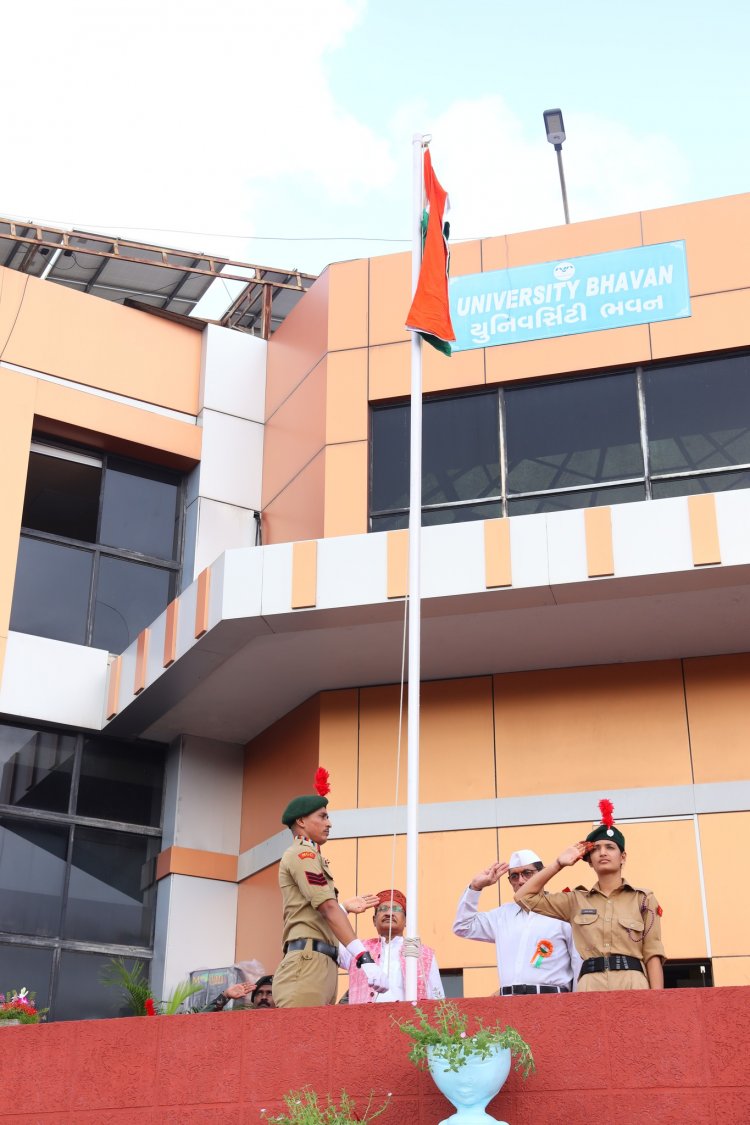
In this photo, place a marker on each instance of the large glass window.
(80, 826)
(611, 438)
(99, 553)
(460, 461)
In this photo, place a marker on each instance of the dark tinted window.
(691, 486)
(121, 782)
(51, 592)
(139, 511)
(62, 497)
(129, 595)
(107, 897)
(580, 432)
(699, 415)
(32, 876)
(80, 994)
(30, 966)
(35, 768)
(390, 458)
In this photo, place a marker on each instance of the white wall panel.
(234, 373)
(528, 551)
(566, 540)
(231, 459)
(652, 537)
(209, 796)
(277, 578)
(453, 559)
(351, 570)
(733, 519)
(196, 921)
(220, 528)
(53, 681)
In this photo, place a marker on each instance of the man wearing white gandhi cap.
(534, 953)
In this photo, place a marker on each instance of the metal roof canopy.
(161, 277)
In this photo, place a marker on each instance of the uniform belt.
(523, 989)
(616, 962)
(317, 947)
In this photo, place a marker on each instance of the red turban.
(392, 896)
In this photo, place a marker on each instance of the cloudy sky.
(280, 132)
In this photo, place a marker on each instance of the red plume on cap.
(606, 808)
(321, 782)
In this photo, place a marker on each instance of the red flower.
(149, 1006)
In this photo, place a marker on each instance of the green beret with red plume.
(309, 802)
(607, 829)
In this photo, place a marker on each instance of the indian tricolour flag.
(429, 314)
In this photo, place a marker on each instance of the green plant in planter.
(303, 1108)
(20, 1006)
(445, 1034)
(137, 991)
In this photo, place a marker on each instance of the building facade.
(202, 598)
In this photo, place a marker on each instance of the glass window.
(460, 452)
(121, 782)
(35, 768)
(32, 876)
(586, 498)
(463, 514)
(62, 496)
(139, 511)
(583, 431)
(107, 896)
(24, 966)
(51, 591)
(80, 994)
(129, 595)
(699, 415)
(390, 458)
(690, 486)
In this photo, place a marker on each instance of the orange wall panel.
(717, 235)
(339, 745)
(103, 344)
(259, 927)
(495, 253)
(481, 981)
(16, 420)
(591, 725)
(297, 512)
(718, 702)
(348, 284)
(298, 344)
(724, 838)
(575, 240)
(456, 726)
(346, 396)
(466, 257)
(731, 971)
(279, 764)
(346, 489)
(446, 373)
(342, 857)
(588, 351)
(13, 287)
(390, 371)
(716, 321)
(390, 297)
(547, 840)
(107, 424)
(294, 433)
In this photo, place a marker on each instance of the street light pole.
(555, 130)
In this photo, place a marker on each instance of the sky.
(280, 133)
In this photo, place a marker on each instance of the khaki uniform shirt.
(305, 882)
(627, 921)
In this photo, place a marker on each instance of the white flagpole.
(411, 946)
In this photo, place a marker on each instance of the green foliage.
(133, 983)
(303, 1108)
(136, 989)
(20, 1006)
(446, 1036)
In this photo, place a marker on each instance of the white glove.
(376, 978)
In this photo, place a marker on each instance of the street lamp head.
(554, 127)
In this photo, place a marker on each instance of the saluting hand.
(360, 903)
(572, 854)
(489, 876)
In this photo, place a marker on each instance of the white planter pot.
(472, 1086)
(10, 1023)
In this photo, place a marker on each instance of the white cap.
(520, 859)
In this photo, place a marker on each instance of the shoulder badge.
(307, 855)
(659, 911)
(566, 890)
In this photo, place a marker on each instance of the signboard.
(622, 287)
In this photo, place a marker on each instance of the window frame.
(98, 550)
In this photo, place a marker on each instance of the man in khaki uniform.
(616, 927)
(314, 923)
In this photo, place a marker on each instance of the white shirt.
(516, 934)
(390, 963)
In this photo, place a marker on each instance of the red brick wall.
(681, 1056)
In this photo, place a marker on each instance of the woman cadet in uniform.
(616, 926)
